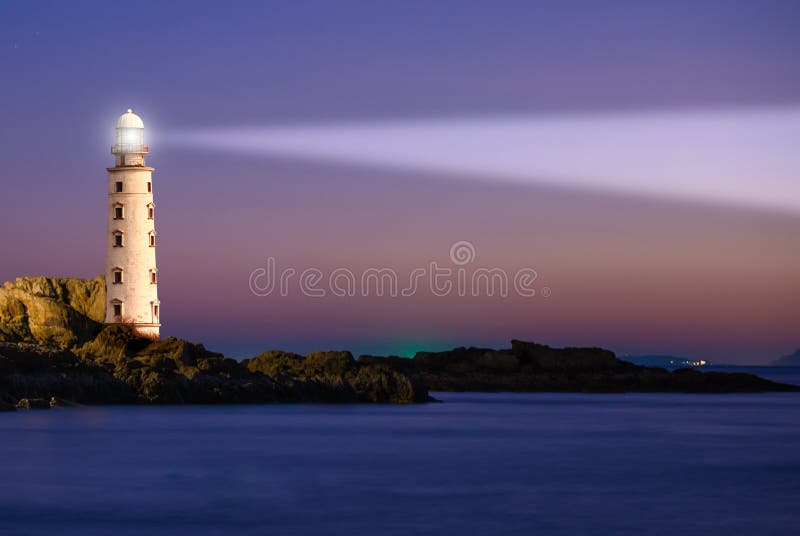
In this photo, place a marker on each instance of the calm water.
(477, 464)
(776, 374)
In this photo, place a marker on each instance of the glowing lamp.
(130, 134)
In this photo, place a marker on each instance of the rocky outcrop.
(53, 346)
(529, 367)
(33, 403)
(34, 371)
(118, 367)
(338, 377)
(55, 312)
(55, 351)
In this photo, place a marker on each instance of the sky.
(638, 156)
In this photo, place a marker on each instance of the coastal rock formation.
(120, 367)
(34, 371)
(529, 367)
(58, 312)
(53, 346)
(338, 377)
(55, 351)
(33, 403)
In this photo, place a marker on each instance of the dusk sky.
(641, 157)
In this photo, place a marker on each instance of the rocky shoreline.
(531, 367)
(53, 345)
(55, 351)
(119, 368)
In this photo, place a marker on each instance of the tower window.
(149, 187)
(117, 276)
(118, 239)
(118, 187)
(151, 211)
(153, 277)
(152, 239)
(118, 212)
(117, 308)
(155, 311)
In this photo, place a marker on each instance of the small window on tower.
(153, 277)
(118, 187)
(151, 212)
(152, 239)
(117, 276)
(149, 187)
(118, 309)
(155, 311)
(118, 213)
(118, 239)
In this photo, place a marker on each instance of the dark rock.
(379, 383)
(275, 363)
(56, 402)
(336, 363)
(33, 403)
(33, 371)
(337, 377)
(536, 367)
(541, 357)
(53, 346)
(118, 367)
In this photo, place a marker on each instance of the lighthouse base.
(147, 331)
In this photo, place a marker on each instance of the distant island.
(56, 350)
(666, 361)
(791, 360)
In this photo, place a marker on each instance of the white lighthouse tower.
(131, 274)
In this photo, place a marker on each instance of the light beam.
(748, 157)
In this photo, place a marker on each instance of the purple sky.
(638, 272)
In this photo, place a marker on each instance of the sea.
(540, 463)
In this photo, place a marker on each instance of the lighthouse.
(131, 274)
